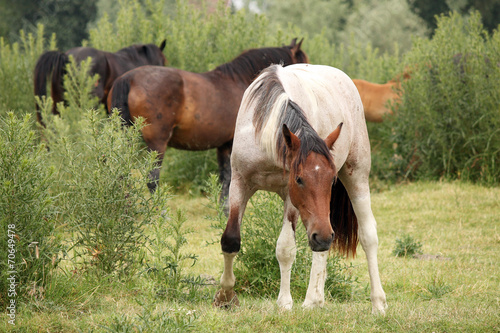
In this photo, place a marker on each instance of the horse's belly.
(198, 140)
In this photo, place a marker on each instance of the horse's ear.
(291, 140)
(300, 44)
(162, 45)
(332, 137)
(296, 47)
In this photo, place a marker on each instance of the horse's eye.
(299, 181)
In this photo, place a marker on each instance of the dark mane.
(135, 52)
(248, 65)
(266, 95)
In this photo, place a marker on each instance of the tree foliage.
(68, 19)
(386, 25)
(429, 10)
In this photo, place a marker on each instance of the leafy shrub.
(406, 246)
(447, 125)
(102, 175)
(29, 241)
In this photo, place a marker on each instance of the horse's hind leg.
(359, 193)
(154, 176)
(224, 160)
(157, 140)
(369, 241)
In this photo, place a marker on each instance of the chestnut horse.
(108, 65)
(301, 133)
(379, 98)
(194, 111)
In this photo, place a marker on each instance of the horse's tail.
(119, 99)
(343, 220)
(51, 63)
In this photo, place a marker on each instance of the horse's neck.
(231, 82)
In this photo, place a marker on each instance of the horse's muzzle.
(319, 242)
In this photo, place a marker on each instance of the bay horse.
(378, 98)
(52, 65)
(301, 133)
(194, 111)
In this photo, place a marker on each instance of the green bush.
(407, 246)
(29, 237)
(448, 123)
(102, 175)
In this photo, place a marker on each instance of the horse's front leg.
(315, 295)
(231, 243)
(286, 251)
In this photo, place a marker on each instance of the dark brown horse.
(108, 65)
(193, 111)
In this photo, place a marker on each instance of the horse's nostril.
(314, 237)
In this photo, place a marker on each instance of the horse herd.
(278, 123)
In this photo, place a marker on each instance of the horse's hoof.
(226, 299)
(379, 310)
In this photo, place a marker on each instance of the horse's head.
(298, 56)
(311, 176)
(153, 54)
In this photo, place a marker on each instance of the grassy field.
(453, 286)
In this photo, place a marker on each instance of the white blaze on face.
(317, 168)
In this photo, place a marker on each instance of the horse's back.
(81, 53)
(328, 97)
(322, 91)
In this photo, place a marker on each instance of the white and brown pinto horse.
(299, 128)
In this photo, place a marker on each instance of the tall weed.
(29, 237)
(169, 260)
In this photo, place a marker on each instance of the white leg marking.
(286, 252)
(315, 295)
(367, 230)
(228, 279)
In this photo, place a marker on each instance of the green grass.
(453, 287)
